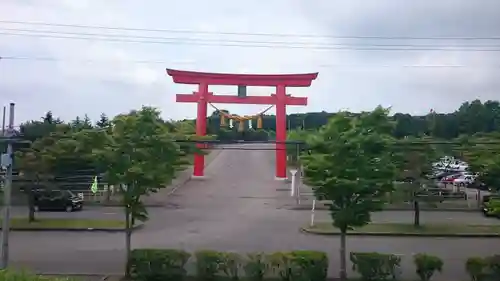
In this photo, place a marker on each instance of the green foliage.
(158, 265)
(256, 266)
(475, 267)
(299, 265)
(427, 266)
(351, 163)
(313, 265)
(493, 207)
(11, 275)
(209, 264)
(493, 268)
(141, 154)
(376, 266)
(282, 265)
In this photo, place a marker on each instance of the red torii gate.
(280, 100)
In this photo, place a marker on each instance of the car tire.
(69, 208)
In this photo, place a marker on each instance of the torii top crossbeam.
(287, 80)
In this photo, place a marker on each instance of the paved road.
(236, 209)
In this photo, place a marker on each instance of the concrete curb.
(99, 229)
(402, 234)
(101, 277)
(464, 210)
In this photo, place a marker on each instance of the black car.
(57, 200)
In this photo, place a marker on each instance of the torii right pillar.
(282, 100)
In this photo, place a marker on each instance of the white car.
(464, 180)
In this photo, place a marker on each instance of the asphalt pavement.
(237, 208)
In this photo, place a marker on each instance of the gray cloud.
(349, 79)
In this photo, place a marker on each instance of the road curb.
(100, 229)
(402, 234)
(322, 208)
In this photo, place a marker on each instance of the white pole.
(292, 186)
(312, 212)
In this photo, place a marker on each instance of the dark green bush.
(475, 267)
(427, 265)
(256, 266)
(231, 265)
(281, 265)
(209, 264)
(299, 265)
(375, 266)
(493, 267)
(312, 265)
(158, 265)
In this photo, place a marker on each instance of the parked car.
(464, 180)
(450, 178)
(57, 200)
(485, 209)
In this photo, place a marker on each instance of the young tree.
(141, 157)
(34, 165)
(415, 168)
(351, 163)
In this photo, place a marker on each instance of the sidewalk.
(160, 199)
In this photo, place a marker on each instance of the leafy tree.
(141, 157)
(352, 165)
(34, 165)
(415, 163)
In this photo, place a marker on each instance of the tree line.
(469, 119)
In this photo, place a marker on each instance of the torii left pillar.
(202, 97)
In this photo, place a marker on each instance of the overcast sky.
(78, 77)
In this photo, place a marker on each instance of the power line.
(270, 45)
(164, 62)
(202, 40)
(248, 33)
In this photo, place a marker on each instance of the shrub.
(312, 265)
(230, 265)
(375, 266)
(256, 266)
(299, 265)
(281, 265)
(158, 265)
(209, 264)
(427, 265)
(475, 267)
(493, 267)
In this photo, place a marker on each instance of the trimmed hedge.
(159, 265)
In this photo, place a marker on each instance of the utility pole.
(7, 190)
(3, 122)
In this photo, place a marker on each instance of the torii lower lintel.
(202, 97)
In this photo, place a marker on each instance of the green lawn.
(406, 228)
(22, 223)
